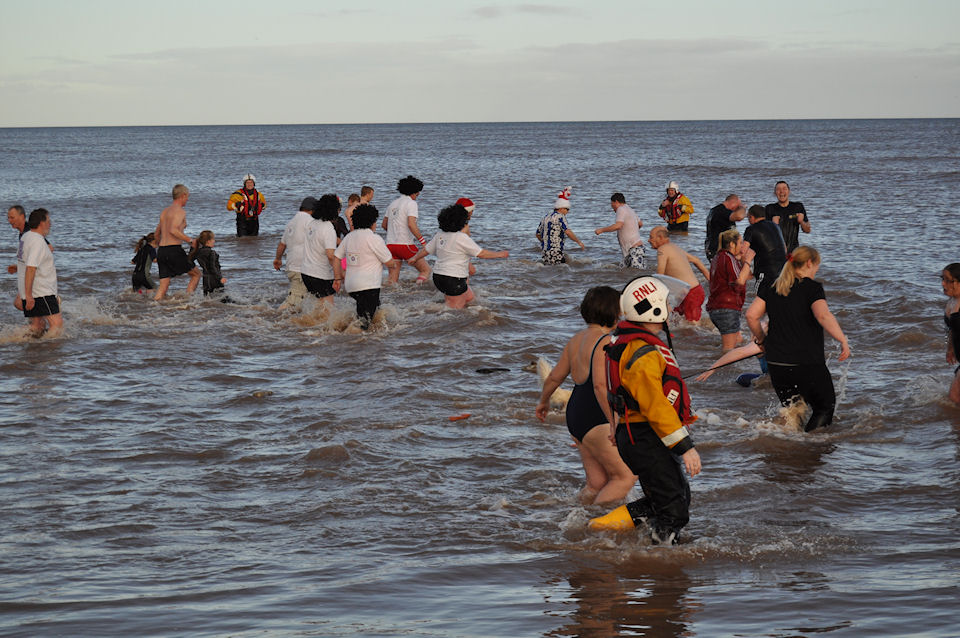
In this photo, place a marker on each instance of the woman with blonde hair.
(793, 344)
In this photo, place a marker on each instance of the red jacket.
(725, 292)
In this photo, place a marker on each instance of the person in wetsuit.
(721, 217)
(146, 254)
(950, 280)
(588, 415)
(763, 247)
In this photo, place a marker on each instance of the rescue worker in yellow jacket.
(247, 203)
(651, 410)
(675, 209)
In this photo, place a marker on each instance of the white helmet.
(250, 177)
(674, 185)
(644, 300)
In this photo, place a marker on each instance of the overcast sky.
(136, 62)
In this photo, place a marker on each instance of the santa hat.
(563, 199)
(466, 203)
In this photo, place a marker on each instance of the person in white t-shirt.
(403, 234)
(37, 277)
(454, 249)
(628, 227)
(319, 245)
(292, 243)
(366, 255)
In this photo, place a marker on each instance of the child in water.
(209, 261)
(950, 280)
(146, 254)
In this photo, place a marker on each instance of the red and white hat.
(563, 198)
(466, 203)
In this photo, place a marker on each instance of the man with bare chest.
(171, 258)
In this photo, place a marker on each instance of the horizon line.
(745, 119)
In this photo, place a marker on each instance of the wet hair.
(601, 305)
(327, 208)
(146, 239)
(409, 185)
(618, 197)
(757, 212)
(353, 198)
(179, 191)
(727, 237)
(800, 256)
(365, 216)
(781, 182)
(953, 270)
(20, 210)
(366, 190)
(453, 218)
(202, 238)
(37, 217)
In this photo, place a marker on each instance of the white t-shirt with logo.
(34, 251)
(399, 210)
(319, 237)
(366, 253)
(453, 251)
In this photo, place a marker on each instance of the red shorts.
(692, 304)
(402, 251)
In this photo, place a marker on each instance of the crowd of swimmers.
(630, 408)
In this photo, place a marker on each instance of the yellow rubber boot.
(619, 520)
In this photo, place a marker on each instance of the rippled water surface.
(204, 469)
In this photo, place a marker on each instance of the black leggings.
(367, 303)
(812, 383)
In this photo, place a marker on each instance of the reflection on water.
(629, 601)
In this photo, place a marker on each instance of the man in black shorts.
(37, 277)
(171, 258)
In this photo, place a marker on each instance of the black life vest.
(674, 388)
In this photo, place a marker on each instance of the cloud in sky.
(491, 11)
(470, 73)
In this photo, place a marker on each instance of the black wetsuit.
(209, 261)
(718, 220)
(771, 254)
(953, 325)
(141, 267)
(583, 410)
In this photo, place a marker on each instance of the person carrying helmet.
(676, 209)
(651, 409)
(248, 203)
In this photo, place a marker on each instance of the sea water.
(206, 469)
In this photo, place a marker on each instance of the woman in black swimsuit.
(950, 280)
(608, 477)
